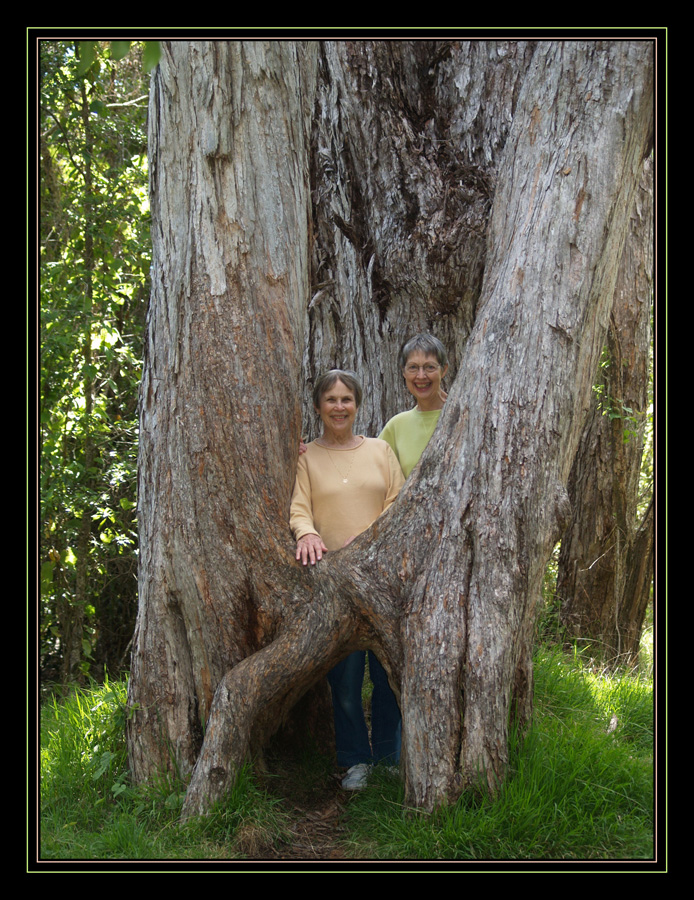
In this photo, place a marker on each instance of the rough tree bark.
(607, 553)
(221, 390)
(231, 632)
(406, 145)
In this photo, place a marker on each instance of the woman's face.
(423, 375)
(338, 409)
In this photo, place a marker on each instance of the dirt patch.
(312, 797)
(317, 834)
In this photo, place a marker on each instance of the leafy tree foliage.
(94, 264)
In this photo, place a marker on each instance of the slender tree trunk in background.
(73, 623)
(606, 559)
(246, 204)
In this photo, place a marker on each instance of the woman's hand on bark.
(310, 549)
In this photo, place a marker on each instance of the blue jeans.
(351, 734)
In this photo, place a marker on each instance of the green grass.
(579, 787)
(90, 811)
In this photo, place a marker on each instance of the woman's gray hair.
(328, 380)
(427, 344)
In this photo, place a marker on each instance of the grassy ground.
(580, 787)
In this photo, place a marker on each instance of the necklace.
(343, 475)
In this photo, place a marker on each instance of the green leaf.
(119, 49)
(69, 557)
(87, 57)
(47, 572)
(98, 106)
(150, 55)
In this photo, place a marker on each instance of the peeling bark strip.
(259, 164)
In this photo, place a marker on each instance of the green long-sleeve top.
(408, 433)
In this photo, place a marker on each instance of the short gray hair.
(427, 344)
(328, 379)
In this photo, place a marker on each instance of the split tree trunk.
(231, 632)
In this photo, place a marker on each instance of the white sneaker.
(356, 777)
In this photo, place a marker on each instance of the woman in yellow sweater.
(344, 482)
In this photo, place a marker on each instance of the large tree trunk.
(606, 559)
(222, 386)
(231, 632)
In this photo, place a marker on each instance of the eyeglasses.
(428, 370)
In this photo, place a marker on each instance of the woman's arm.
(309, 544)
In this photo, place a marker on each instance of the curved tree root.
(274, 677)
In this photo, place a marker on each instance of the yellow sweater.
(323, 503)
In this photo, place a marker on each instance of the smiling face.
(338, 410)
(423, 374)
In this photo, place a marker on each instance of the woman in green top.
(424, 364)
